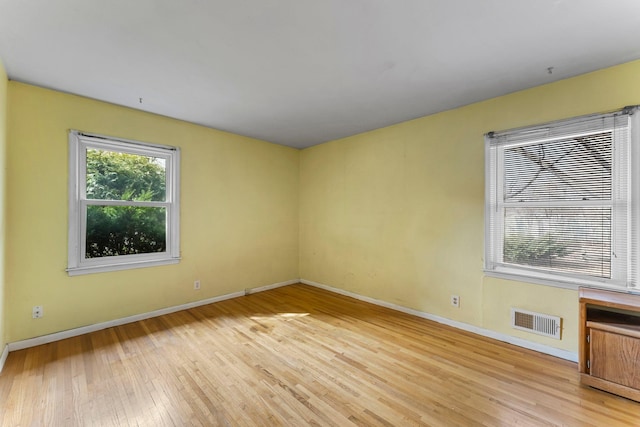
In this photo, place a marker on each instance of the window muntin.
(123, 204)
(559, 202)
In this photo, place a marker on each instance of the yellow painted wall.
(239, 214)
(394, 214)
(397, 213)
(3, 145)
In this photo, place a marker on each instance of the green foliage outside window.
(125, 230)
(528, 250)
(121, 176)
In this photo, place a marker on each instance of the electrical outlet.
(37, 312)
(196, 285)
(455, 301)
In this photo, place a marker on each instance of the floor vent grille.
(541, 324)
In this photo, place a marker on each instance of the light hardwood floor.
(296, 356)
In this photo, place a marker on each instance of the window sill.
(557, 283)
(104, 268)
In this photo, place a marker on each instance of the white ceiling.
(301, 72)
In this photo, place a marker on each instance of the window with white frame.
(562, 199)
(123, 204)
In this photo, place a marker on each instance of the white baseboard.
(3, 356)
(563, 354)
(250, 291)
(57, 336)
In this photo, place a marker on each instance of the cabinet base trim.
(621, 390)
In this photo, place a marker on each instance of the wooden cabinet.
(609, 354)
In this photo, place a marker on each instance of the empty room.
(334, 213)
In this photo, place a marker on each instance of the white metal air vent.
(541, 324)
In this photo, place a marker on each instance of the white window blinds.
(560, 201)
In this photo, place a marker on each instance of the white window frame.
(625, 202)
(79, 142)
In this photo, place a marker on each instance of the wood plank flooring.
(296, 356)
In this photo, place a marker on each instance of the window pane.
(125, 230)
(568, 169)
(571, 240)
(120, 176)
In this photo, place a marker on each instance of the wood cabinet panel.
(615, 358)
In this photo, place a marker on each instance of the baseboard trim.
(57, 336)
(552, 351)
(3, 356)
(250, 291)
